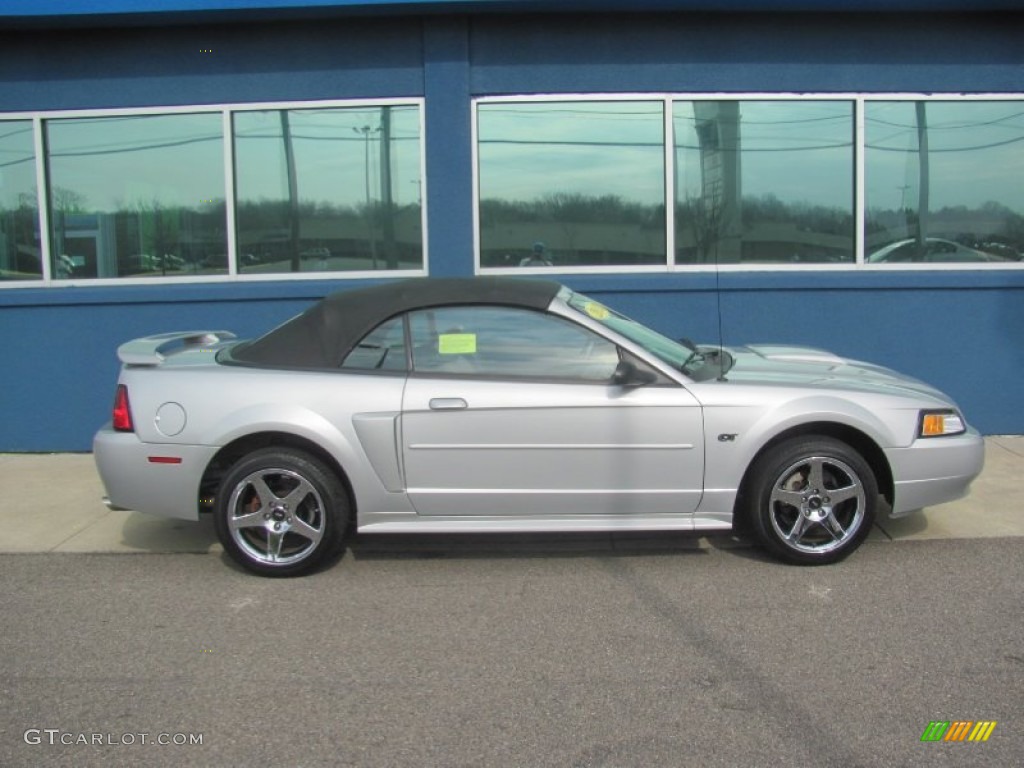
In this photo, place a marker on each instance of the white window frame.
(48, 280)
(670, 266)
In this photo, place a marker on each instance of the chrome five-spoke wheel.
(276, 516)
(280, 512)
(814, 500)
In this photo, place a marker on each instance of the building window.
(944, 182)
(576, 183)
(211, 193)
(764, 182)
(571, 184)
(328, 190)
(789, 181)
(136, 196)
(20, 257)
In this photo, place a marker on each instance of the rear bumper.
(148, 477)
(934, 471)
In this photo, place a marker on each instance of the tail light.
(122, 417)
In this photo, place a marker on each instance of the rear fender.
(370, 489)
(286, 419)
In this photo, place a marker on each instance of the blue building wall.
(960, 330)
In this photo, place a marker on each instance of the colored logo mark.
(958, 730)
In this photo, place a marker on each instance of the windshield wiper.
(695, 354)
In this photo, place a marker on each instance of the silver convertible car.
(501, 404)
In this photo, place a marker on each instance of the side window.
(508, 343)
(382, 349)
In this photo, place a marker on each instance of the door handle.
(447, 404)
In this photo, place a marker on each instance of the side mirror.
(628, 375)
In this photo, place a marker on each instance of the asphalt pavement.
(576, 651)
(517, 659)
(59, 509)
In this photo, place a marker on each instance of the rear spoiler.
(153, 350)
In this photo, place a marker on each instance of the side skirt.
(505, 524)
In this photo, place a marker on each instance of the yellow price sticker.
(457, 344)
(596, 311)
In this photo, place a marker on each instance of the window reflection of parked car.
(28, 264)
(65, 266)
(216, 261)
(165, 262)
(935, 250)
(538, 257)
(315, 253)
(171, 261)
(1002, 250)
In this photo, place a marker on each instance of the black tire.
(811, 500)
(281, 512)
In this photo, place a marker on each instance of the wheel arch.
(241, 446)
(855, 438)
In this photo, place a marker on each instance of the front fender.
(736, 434)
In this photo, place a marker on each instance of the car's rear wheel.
(281, 512)
(812, 500)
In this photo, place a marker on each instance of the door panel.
(477, 447)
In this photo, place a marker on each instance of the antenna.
(718, 309)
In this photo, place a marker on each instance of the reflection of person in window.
(538, 258)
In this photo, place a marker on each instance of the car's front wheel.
(281, 512)
(812, 500)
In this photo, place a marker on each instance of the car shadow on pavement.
(149, 533)
(911, 524)
(146, 533)
(544, 545)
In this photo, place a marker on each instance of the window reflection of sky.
(17, 166)
(177, 160)
(530, 151)
(796, 151)
(975, 153)
(799, 151)
(337, 155)
(110, 163)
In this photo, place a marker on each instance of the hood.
(776, 364)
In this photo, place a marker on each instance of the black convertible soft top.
(325, 333)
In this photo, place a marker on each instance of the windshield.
(674, 353)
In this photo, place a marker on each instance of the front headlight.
(941, 423)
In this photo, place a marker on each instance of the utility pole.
(923, 178)
(388, 202)
(365, 131)
(293, 192)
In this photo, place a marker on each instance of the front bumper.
(161, 479)
(935, 470)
